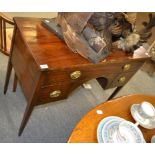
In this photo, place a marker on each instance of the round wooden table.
(86, 130)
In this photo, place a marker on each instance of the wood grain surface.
(86, 130)
(48, 49)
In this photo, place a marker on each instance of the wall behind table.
(31, 14)
(142, 16)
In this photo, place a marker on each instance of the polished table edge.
(143, 96)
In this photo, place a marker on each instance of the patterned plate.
(131, 132)
(118, 131)
(101, 125)
(110, 131)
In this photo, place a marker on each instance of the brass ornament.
(55, 93)
(122, 79)
(126, 67)
(75, 75)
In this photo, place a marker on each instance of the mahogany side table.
(48, 71)
(86, 130)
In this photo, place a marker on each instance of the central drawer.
(64, 75)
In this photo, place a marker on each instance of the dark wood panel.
(117, 81)
(24, 65)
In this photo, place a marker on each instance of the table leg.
(31, 104)
(15, 83)
(8, 74)
(115, 92)
(26, 117)
(9, 68)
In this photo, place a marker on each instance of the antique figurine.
(93, 34)
(87, 33)
(134, 39)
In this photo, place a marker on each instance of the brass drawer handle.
(55, 93)
(75, 75)
(126, 67)
(122, 79)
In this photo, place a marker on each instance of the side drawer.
(53, 93)
(122, 79)
(25, 66)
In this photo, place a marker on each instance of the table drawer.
(60, 76)
(53, 93)
(122, 79)
(88, 72)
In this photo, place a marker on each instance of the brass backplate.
(126, 67)
(75, 75)
(55, 93)
(122, 79)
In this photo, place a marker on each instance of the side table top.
(47, 48)
(86, 130)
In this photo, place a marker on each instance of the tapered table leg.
(15, 83)
(26, 117)
(30, 105)
(9, 68)
(115, 93)
(8, 74)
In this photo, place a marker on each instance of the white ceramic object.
(144, 115)
(110, 132)
(148, 109)
(121, 131)
(131, 132)
(101, 125)
(153, 139)
(140, 53)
